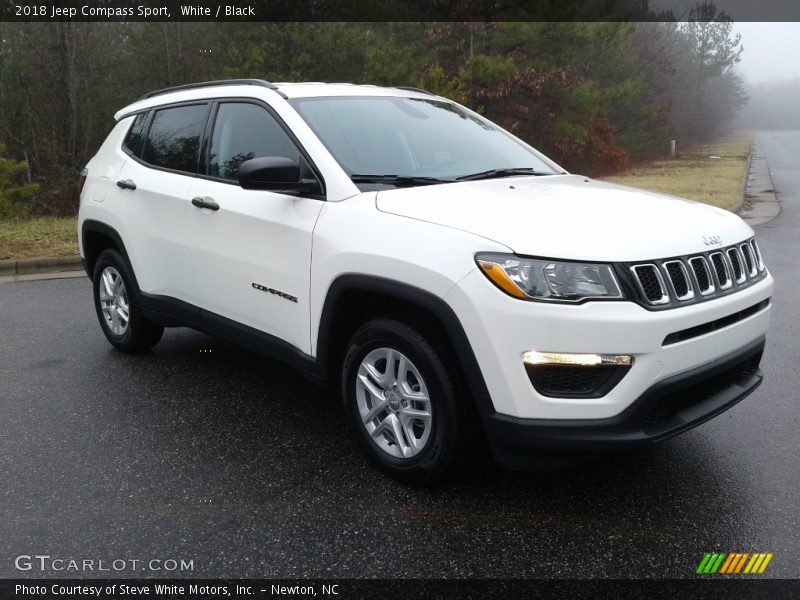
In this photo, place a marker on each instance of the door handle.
(205, 202)
(126, 184)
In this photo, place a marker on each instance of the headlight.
(541, 279)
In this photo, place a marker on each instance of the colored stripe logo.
(749, 563)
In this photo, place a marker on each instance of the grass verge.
(43, 236)
(711, 173)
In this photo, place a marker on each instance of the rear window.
(133, 141)
(173, 141)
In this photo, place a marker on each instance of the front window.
(243, 131)
(415, 139)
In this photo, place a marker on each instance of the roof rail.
(413, 89)
(202, 84)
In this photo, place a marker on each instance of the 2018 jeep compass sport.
(433, 269)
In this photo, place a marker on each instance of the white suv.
(450, 282)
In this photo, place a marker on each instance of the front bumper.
(663, 344)
(669, 407)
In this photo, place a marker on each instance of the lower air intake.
(567, 381)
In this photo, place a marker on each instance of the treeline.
(593, 96)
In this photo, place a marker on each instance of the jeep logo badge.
(712, 240)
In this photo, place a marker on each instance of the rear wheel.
(117, 306)
(400, 401)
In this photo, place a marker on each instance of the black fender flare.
(92, 226)
(411, 295)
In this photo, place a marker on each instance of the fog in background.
(770, 68)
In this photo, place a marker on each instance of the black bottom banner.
(386, 589)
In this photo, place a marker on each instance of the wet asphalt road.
(236, 463)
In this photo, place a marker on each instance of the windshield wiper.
(398, 180)
(496, 173)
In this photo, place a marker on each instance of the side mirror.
(275, 174)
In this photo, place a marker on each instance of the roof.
(259, 88)
(310, 89)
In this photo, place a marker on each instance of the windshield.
(415, 141)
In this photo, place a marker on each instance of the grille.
(651, 284)
(687, 279)
(721, 270)
(679, 277)
(701, 274)
(563, 381)
(698, 330)
(672, 404)
(747, 252)
(736, 263)
(757, 255)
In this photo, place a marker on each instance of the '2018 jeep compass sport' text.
(442, 276)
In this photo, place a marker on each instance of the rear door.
(152, 189)
(253, 258)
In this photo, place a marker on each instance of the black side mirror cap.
(275, 174)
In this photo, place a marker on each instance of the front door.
(252, 258)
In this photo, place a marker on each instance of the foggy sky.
(771, 51)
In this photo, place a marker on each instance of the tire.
(381, 404)
(114, 290)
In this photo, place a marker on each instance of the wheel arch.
(354, 299)
(97, 236)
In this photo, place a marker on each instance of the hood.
(570, 216)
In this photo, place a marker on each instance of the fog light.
(572, 375)
(573, 359)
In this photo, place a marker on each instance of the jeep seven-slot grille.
(651, 283)
(757, 254)
(701, 274)
(736, 263)
(748, 259)
(679, 278)
(721, 270)
(673, 282)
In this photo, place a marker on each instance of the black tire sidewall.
(436, 457)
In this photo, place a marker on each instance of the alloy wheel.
(114, 301)
(394, 403)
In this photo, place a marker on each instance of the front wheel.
(117, 306)
(400, 401)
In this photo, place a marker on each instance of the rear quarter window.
(135, 138)
(173, 141)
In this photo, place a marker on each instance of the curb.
(762, 202)
(743, 187)
(44, 264)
